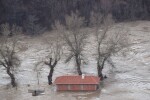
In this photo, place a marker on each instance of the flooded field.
(129, 80)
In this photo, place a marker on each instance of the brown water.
(130, 80)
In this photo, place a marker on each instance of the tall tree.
(75, 39)
(108, 43)
(55, 51)
(8, 58)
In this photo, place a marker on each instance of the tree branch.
(3, 64)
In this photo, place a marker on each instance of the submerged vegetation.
(81, 37)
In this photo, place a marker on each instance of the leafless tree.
(75, 39)
(8, 57)
(55, 51)
(108, 42)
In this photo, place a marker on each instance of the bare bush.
(6, 30)
(38, 68)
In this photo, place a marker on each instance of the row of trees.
(45, 12)
(75, 39)
(131, 9)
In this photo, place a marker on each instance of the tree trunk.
(100, 67)
(100, 74)
(13, 82)
(79, 70)
(50, 75)
(78, 62)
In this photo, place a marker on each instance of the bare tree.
(6, 30)
(108, 43)
(54, 57)
(55, 51)
(75, 39)
(8, 58)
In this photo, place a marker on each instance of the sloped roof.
(77, 80)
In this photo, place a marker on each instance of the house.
(77, 83)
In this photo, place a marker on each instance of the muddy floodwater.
(129, 80)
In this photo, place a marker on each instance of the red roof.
(77, 80)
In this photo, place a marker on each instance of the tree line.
(74, 37)
(43, 13)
